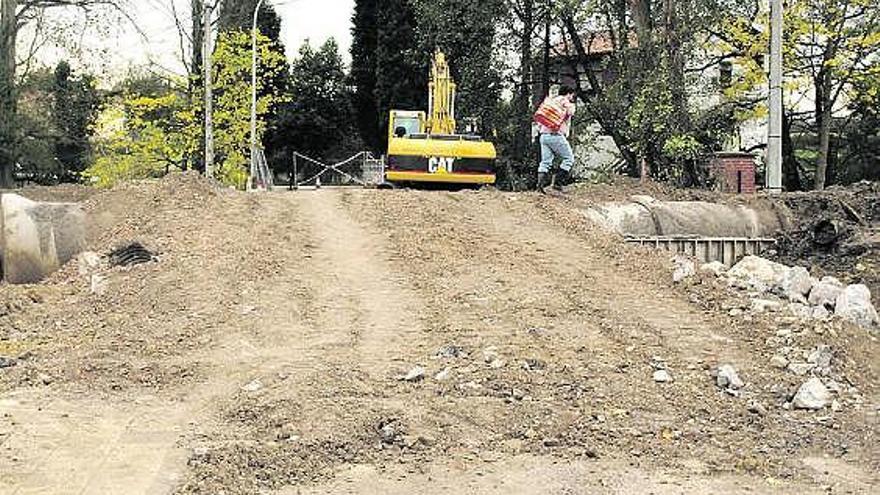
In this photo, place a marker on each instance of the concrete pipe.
(37, 238)
(645, 216)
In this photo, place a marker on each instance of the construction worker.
(554, 125)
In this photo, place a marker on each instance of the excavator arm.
(441, 97)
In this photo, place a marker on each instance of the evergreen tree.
(76, 106)
(319, 121)
(363, 71)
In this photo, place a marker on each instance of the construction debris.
(812, 395)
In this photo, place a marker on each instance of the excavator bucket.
(37, 238)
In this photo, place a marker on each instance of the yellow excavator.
(426, 148)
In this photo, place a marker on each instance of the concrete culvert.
(37, 238)
(645, 216)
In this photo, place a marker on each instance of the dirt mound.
(64, 193)
(835, 232)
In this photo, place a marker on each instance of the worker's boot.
(562, 179)
(543, 182)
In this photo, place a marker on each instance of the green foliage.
(232, 99)
(140, 137)
(153, 128)
(365, 39)
(57, 111)
(319, 120)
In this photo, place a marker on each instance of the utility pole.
(253, 170)
(209, 94)
(774, 136)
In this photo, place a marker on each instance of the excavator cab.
(424, 147)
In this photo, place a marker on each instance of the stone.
(821, 356)
(685, 268)
(797, 284)
(727, 378)
(812, 395)
(854, 305)
(98, 284)
(490, 354)
(532, 364)
(756, 407)
(414, 375)
(756, 273)
(801, 369)
(88, 261)
(715, 268)
(765, 306)
(825, 292)
(835, 405)
(443, 374)
(6, 362)
(45, 379)
(253, 386)
(779, 362)
(800, 310)
(497, 364)
(662, 376)
(450, 351)
(820, 313)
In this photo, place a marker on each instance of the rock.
(490, 354)
(98, 284)
(87, 261)
(45, 379)
(779, 362)
(662, 376)
(6, 362)
(727, 378)
(797, 284)
(443, 375)
(854, 305)
(684, 268)
(253, 386)
(532, 364)
(414, 375)
(756, 407)
(801, 311)
(756, 273)
(497, 364)
(450, 351)
(715, 268)
(835, 406)
(735, 312)
(820, 313)
(765, 306)
(801, 369)
(812, 396)
(825, 292)
(821, 356)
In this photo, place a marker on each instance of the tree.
(142, 136)
(15, 14)
(466, 32)
(401, 67)
(365, 41)
(75, 109)
(834, 41)
(232, 70)
(318, 121)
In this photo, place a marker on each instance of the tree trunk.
(524, 96)
(675, 66)
(641, 14)
(791, 178)
(195, 77)
(8, 103)
(545, 78)
(823, 124)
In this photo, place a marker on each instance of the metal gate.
(361, 169)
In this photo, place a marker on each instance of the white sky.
(110, 51)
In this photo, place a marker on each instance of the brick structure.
(734, 172)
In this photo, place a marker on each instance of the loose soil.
(263, 351)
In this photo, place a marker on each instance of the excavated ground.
(263, 351)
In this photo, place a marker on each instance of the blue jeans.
(553, 145)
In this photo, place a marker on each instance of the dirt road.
(263, 354)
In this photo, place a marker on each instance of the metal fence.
(362, 169)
